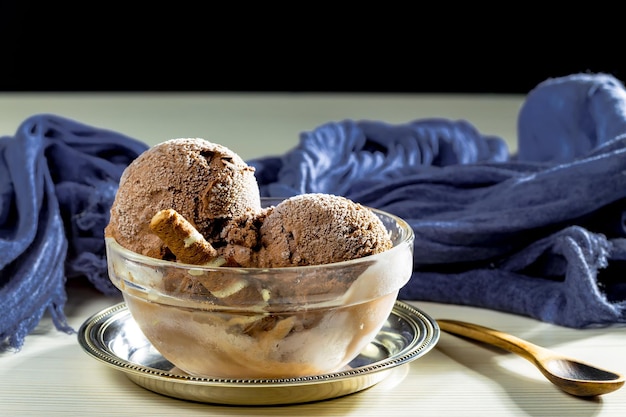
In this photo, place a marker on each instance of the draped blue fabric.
(541, 232)
(58, 179)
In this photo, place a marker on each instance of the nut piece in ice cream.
(206, 183)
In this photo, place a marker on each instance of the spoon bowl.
(571, 375)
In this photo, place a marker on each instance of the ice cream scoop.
(205, 182)
(315, 229)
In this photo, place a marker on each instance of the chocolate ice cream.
(240, 298)
(207, 183)
(314, 229)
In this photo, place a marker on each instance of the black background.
(153, 47)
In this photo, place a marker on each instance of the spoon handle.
(493, 337)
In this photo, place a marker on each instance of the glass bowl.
(256, 323)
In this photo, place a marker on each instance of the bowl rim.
(407, 239)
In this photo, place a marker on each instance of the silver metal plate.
(112, 337)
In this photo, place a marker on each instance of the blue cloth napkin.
(58, 179)
(540, 233)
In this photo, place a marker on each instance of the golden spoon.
(572, 376)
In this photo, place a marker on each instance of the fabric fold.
(477, 210)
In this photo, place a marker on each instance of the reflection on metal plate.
(112, 337)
